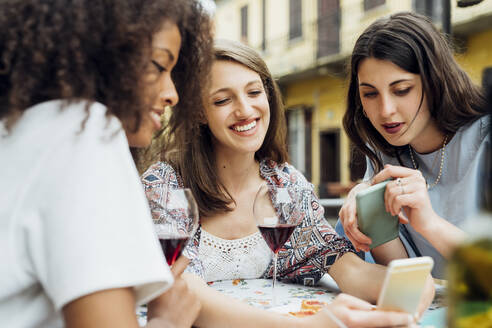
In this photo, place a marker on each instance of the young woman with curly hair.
(224, 154)
(420, 121)
(80, 82)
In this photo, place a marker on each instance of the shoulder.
(77, 115)
(58, 119)
(282, 174)
(475, 133)
(485, 127)
(161, 173)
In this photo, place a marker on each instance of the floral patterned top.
(312, 248)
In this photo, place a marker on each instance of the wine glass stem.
(274, 300)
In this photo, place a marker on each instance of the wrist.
(430, 226)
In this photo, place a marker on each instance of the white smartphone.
(404, 284)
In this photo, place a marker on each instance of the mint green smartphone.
(404, 284)
(372, 218)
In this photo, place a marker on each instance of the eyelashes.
(221, 102)
(403, 92)
(159, 67)
(400, 93)
(225, 101)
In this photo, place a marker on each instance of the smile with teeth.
(392, 125)
(242, 128)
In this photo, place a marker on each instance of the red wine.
(276, 235)
(172, 248)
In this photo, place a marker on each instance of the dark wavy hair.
(192, 152)
(96, 50)
(411, 42)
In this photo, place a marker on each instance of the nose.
(243, 108)
(387, 106)
(168, 96)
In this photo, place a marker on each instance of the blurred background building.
(307, 44)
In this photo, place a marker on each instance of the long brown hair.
(411, 42)
(96, 50)
(192, 152)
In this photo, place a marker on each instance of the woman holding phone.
(421, 122)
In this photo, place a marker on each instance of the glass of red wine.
(177, 224)
(276, 223)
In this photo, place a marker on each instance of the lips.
(246, 127)
(155, 116)
(393, 127)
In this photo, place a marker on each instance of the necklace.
(443, 148)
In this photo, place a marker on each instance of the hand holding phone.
(404, 284)
(372, 218)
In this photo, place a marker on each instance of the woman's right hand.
(356, 313)
(178, 307)
(348, 217)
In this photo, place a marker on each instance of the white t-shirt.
(73, 215)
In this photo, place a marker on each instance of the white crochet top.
(242, 258)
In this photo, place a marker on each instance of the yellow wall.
(478, 55)
(326, 95)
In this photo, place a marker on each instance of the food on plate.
(309, 307)
(312, 305)
(302, 313)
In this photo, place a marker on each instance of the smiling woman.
(80, 82)
(160, 89)
(238, 113)
(420, 121)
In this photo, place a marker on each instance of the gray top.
(458, 195)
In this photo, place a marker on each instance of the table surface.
(258, 293)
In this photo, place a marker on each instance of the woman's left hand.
(408, 192)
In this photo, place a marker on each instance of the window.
(328, 27)
(299, 139)
(244, 24)
(329, 165)
(369, 4)
(295, 19)
(429, 8)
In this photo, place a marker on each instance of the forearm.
(389, 251)
(358, 278)
(443, 235)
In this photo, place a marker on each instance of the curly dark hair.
(413, 43)
(96, 50)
